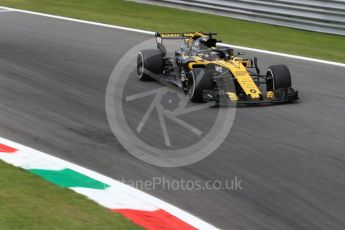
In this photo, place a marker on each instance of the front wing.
(281, 96)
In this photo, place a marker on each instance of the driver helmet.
(214, 56)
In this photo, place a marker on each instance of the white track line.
(286, 55)
(78, 20)
(152, 33)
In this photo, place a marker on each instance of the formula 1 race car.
(207, 72)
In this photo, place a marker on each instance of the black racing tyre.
(149, 60)
(281, 77)
(199, 79)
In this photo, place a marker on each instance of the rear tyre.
(149, 62)
(199, 79)
(280, 77)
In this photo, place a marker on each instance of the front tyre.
(149, 64)
(278, 77)
(199, 79)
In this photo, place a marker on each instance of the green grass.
(155, 18)
(28, 202)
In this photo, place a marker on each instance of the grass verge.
(28, 202)
(155, 18)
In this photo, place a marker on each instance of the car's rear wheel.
(149, 64)
(199, 79)
(278, 77)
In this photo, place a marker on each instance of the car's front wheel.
(278, 77)
(199, 79)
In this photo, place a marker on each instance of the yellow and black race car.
(207, 72)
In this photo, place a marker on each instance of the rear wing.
(184, 35)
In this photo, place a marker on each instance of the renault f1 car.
(207, 72)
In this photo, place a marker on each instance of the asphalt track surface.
(291, 158)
